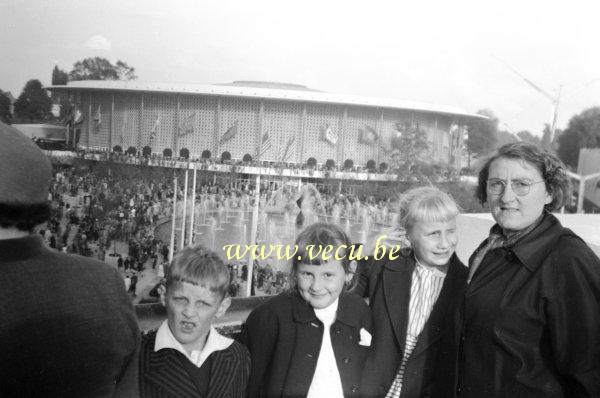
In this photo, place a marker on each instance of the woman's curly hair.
(552, 169)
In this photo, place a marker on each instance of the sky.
(456, 53)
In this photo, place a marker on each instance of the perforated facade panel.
(357, 145)
(198, 116)
(242, 113)
(282, 121)
(159, 121)
(318, 119)
(388, 130)
(127, 120)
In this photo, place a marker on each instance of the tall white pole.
(191, 235)
(253, 230)
(185, 184)
(172, 245)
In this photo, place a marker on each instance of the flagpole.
(185, 186)
(172, 244)
(253, 230)
(191, 236)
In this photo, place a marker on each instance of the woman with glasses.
(529, 325)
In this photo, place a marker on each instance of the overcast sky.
(445, 52)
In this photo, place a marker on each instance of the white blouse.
(326, 381)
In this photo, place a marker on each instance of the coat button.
(309, 355)
(354, 388)
(347, 360)
(337, 330)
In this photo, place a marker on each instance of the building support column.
(112, 123)
(175, 140)
(141, 125)
(217, 128)
(303, 156)
(89, 137)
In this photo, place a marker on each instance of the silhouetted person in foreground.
(68, 327)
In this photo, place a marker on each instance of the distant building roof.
(264, 90)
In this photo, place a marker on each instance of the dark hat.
(25, 170)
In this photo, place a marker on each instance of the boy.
(186, 356)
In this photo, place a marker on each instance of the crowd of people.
(520, 319)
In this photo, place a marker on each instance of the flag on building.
(329, 135)
(98, 116)
(154, 130)
(290, 150)
(265, 145)
(77, 115)
(188, 125)
(368, 135)
(230, 133)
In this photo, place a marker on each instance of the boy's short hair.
(199, 266)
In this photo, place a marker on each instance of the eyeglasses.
(496, 186)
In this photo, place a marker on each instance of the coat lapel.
(397, 278)
(167, 372)
(435, 326)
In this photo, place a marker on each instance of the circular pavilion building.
(261, 120)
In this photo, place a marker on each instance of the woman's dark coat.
(284, 338)
(387, 284)
(531, 320)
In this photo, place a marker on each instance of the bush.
(167, 152)
(132, 150)
(184, 153)
(206, 154)
(117, 149)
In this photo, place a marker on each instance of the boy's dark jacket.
(162, 373)
(284, 337)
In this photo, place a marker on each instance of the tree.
(483, 135)
(528, 137)
(371, 165)
(545, 142)
(4, 108)
(101, 69)
(505, 137)
(33, 104)
(411, 141)
(146, 151)
(59, 76)
(583, 131)
(225, 156)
